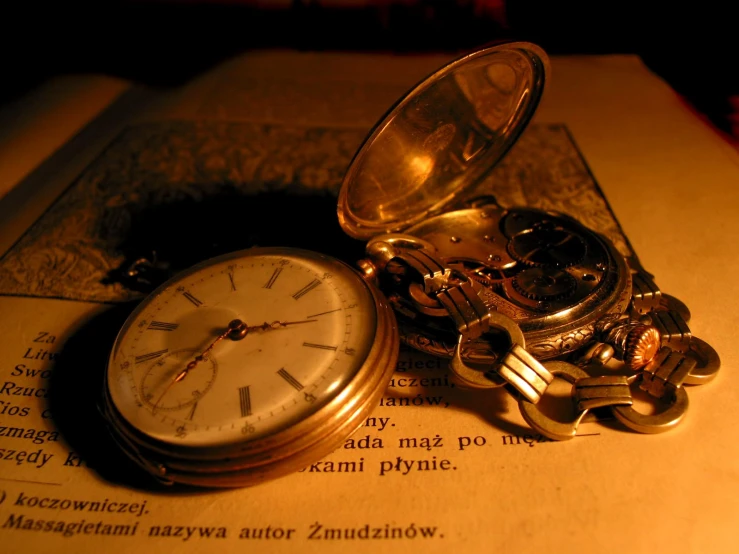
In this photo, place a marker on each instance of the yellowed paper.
(433, 468)
(33, 128)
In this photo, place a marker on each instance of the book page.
(33, 128)
(433, 467)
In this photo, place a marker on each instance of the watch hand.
(236, 330)
(277, 324)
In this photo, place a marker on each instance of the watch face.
(301, 326)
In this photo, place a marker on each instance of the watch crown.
(634, 342)
(642, 344)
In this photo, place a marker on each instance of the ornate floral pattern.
(76, 248)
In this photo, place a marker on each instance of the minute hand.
(277, 324)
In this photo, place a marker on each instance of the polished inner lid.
(440, 139)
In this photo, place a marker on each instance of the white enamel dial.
(302, 325)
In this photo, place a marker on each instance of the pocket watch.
(254, 364)
(248, 366)
(513, 295)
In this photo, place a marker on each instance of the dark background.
(693, 46)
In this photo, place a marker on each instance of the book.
(159, 175)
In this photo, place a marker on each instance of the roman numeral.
(231, 280)
(273, 278)
(245, 401)
(306, 289)
(162, 326)
(150, 356)
(290, 379)
(321, 346)
(192, 299)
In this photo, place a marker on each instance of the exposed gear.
(544, 283)
(548, 246)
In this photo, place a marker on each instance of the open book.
(175, 177)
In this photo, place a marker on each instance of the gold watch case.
(315, 351)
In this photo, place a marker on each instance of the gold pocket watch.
(249, 366)
(254, 364)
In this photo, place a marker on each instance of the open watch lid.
(441, 138)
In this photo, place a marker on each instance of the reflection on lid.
(443, 137)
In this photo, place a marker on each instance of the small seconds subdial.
(161, 390)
